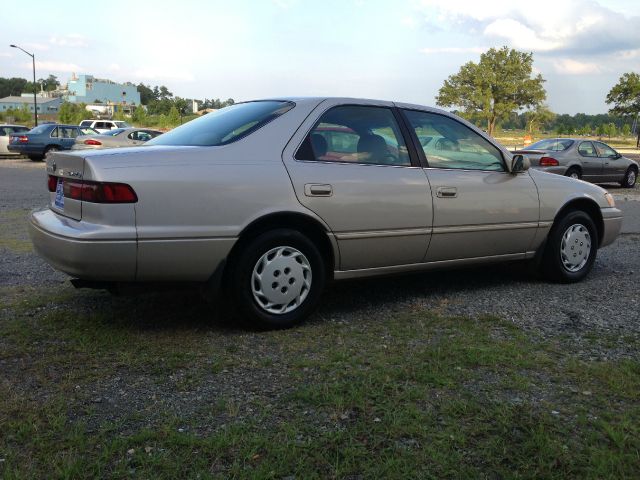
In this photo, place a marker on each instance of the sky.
(399, 50)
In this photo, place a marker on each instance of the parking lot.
(149, 377)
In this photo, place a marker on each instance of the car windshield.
(114, 132)
(122, 125)
(225, 125)
(554, 144)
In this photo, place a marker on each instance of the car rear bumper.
(81, 249)
(612, 220)
(25, 149)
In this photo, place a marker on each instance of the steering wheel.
(446, 144)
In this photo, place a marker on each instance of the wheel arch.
(588, 206)
(314, 229)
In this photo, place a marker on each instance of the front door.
(613, 170)
(479, 208)
(591, 162)
(350, 165)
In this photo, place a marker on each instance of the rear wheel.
(571, 248)
(50, 150)
(277, 279)
(573, 172)
(630, 178)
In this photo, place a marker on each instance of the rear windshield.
(40, 128)
(225, 125)
(554, 144)
(122, 124)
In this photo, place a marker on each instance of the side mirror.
(615, 156)
(520, 163)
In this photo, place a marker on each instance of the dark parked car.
(44, 139)
(584, 159)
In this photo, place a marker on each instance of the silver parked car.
(5, 132)
(269, 200)
(120, 137)
(581, 158)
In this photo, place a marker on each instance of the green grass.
(411, 395)
(14, 235)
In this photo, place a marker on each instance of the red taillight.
(95, 192)
(52, 183)
(23, 139)
(91, 141)
(549, 162)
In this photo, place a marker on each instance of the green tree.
(498, 85)
(72, 113)
(612, 131)
(139, 117)
(601, 130)
(625, 97)
(626, 130)
(538, 117)
(173, 118)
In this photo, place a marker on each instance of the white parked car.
(104, 125)
(5, 133)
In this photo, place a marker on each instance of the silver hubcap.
(281, 280)
(574, 175)
(631, 178)
(575, 247)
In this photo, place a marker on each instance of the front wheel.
(277, 279)
(571, 248)
(630, 178)
(573, 172)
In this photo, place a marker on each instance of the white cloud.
(34, 47)
(69, 40)
(114, 68)
(5, 55)
(55, 66)
(478, 50)
(548, 26)
(148, 73)
(568, 66)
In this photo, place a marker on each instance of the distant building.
(91, 90)
(45, 105)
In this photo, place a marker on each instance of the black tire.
(630, 178)
(553, 266)
(574, 172)
(246, 290)
(36, 158)
(51, 149)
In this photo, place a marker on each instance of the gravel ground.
(606, 303)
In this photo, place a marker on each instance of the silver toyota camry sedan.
(267, 201)
(582, 158)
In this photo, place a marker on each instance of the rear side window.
(448, 143)
(356, 134)
(225, 125)
(86, 123)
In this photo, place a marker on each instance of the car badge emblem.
(54, 166)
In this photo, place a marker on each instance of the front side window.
(225, 125)
(586, 149)
(356, 134)
(604, 150)
(448, 143)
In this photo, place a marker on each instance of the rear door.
(479, 208)
(350, 165)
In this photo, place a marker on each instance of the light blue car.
(44, 139)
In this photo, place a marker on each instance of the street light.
(35, 102)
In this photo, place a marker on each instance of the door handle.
(446, 192)
(318, 190)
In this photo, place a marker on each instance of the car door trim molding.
(383, 233)
(439, 230)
